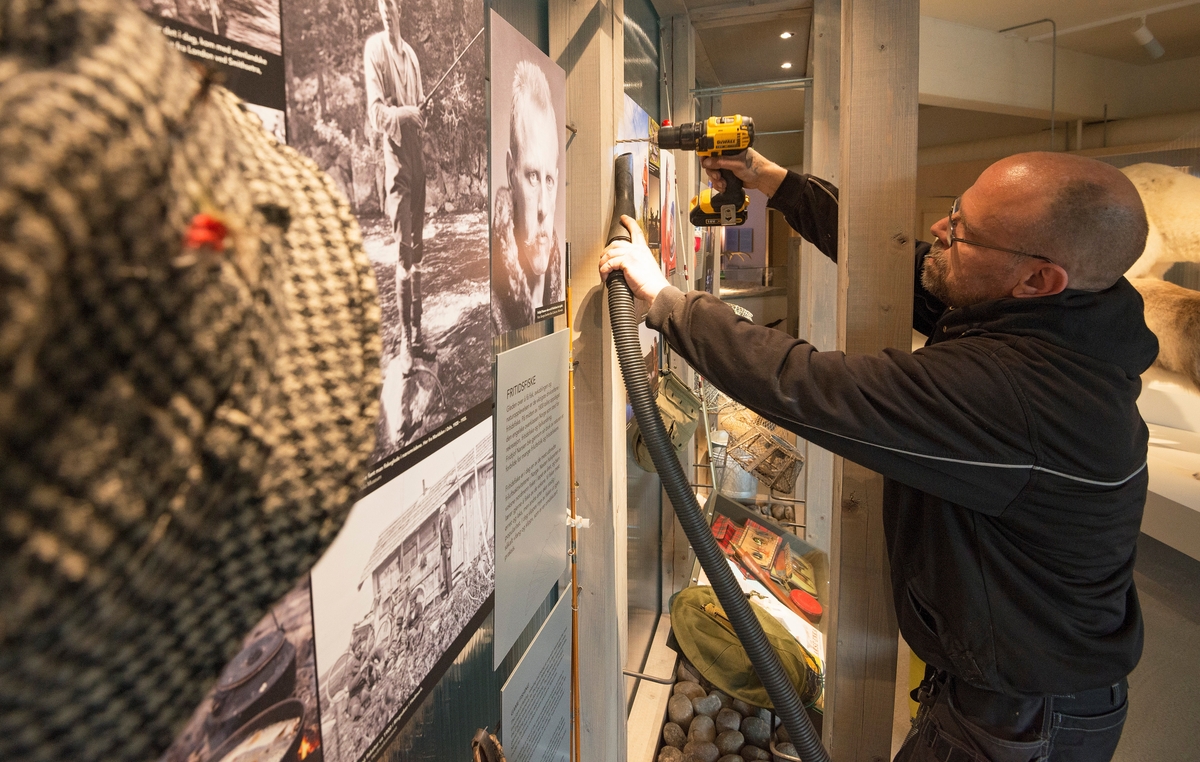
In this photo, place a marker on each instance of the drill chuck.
(685, 137)
(717, 135)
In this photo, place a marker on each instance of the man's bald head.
(1083, 214)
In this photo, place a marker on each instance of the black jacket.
(1014, 460)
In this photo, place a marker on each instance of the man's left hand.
(642, 271)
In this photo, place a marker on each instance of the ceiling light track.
(753, 87)
(1123, 17)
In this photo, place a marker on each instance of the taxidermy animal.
(1172, 202)
(1173, 313)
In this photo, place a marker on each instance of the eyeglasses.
(952, 222)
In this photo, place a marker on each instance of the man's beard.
(935, 277)
(935, 273)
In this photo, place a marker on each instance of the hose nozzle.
(622, 198)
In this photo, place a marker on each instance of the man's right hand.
(751, 167)
(411, 116)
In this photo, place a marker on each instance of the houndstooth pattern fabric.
(181, 433)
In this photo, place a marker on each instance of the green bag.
(707, 639)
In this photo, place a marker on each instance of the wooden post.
(678, 62)
(818, 275)
(878, 138)
(587, 40)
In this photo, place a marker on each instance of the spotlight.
(1146, 39)
(785, 65)
(786, 36)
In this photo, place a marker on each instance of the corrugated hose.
(766, 662)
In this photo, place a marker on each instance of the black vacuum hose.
(625, 335)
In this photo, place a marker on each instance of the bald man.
(1013, 453)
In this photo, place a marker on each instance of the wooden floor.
(1164, 691)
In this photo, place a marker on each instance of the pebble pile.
(705, 725)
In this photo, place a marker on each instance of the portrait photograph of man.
(528, 181)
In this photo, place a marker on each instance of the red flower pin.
(206, 231)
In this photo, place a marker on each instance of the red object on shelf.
(806, 603)
(728, 534)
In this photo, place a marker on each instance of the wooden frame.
(587, 40)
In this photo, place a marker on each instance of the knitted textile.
(182, 431)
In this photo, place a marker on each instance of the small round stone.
(781, 733)
(777, 511)
(703, 729)
(673, 735)
(754, 754)
(670, 754)
(787, 748)
(742, 708)
(704, 752)
(726, 702)
(685, 672)
(730, 758)
(680, 711)
(727, 719)
(708, 706)
(757, 731)
(689, 689)
(730, 742)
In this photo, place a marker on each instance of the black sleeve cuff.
(663, 304)
(788, 195)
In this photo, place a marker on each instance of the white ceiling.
(1178, 30)
(738, 42)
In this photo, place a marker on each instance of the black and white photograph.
(253, 22)
(529, 190)
(264, 705)
(387, 96)
(413, 564)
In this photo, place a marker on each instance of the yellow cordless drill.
(715, 136)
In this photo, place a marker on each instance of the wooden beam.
(818, 275)
(679, 76)
(587, 40)
(819, 317)
(749, 12)
(878, 137)
(706, 75)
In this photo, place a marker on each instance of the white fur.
(1172, 201)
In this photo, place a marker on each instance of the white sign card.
(535, 703)
(532, 481)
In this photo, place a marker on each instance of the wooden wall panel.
(586, 39)
(878, 138)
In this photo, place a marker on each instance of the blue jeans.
(959, 723)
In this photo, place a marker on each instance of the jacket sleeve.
(383, 118)
(944, 420)
(810, 206)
